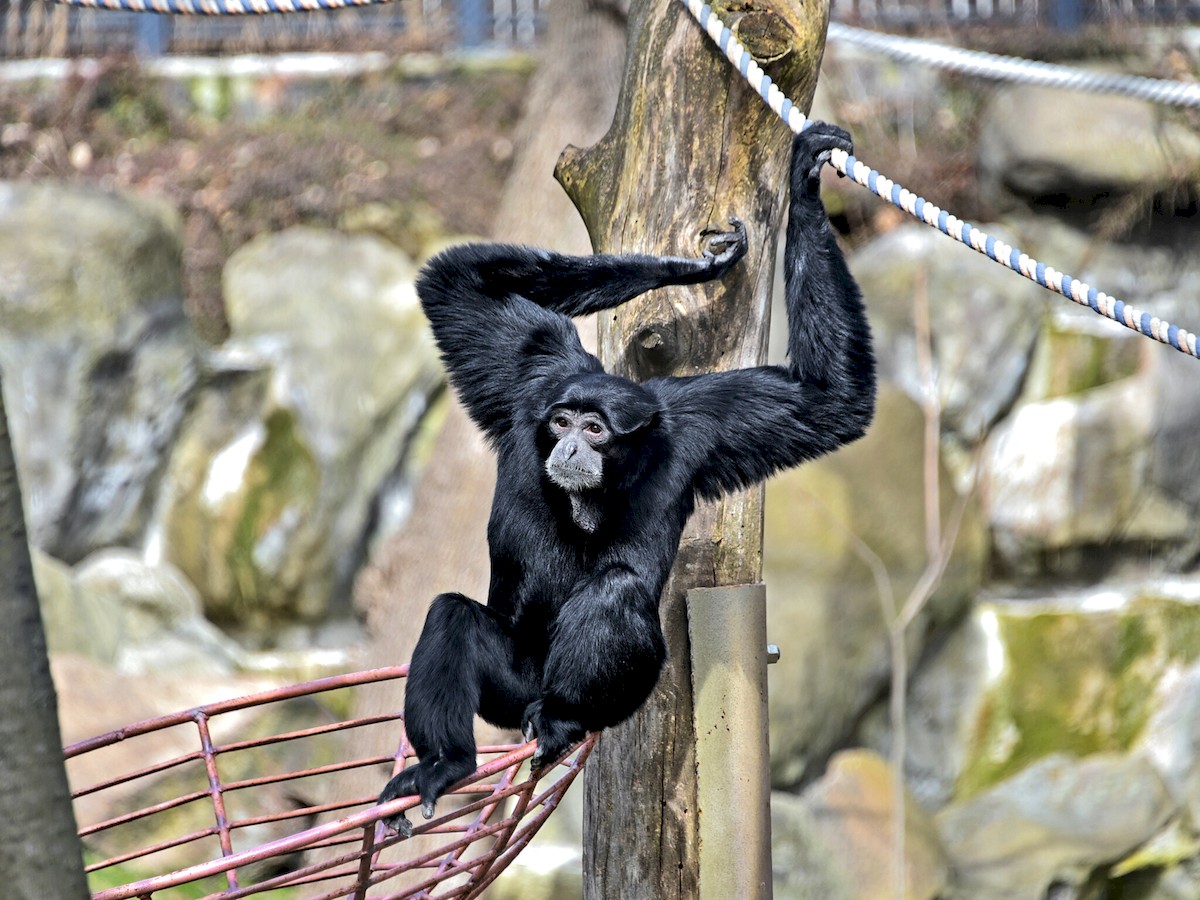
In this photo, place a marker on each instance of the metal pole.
(1066, 15)
(727, 628)
(474, 23)
(153, 36)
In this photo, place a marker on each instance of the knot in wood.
(655, 348)
(767, 35)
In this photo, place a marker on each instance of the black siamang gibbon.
(597, 475)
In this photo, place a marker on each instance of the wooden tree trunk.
(690, 145)
(41, 857)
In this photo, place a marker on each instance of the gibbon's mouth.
(576, 471)
(573, 478)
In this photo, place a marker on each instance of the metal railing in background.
(31, 28)
(1064, 14)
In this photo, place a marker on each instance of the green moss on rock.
(281, 489)
(1075, 681)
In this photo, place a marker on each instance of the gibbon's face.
(581, 441)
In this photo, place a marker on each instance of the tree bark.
(41, 857)
(690, 145)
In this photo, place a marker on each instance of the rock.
(1172, 739)
(803, 866)
(1099, 399)
(1077, 673)
(1051, 825)
(300, 440)
(161, 620)
(1174, 463)
(1167, 867)
(99, 359)
(985, 321)
(75, 622)
(1181, 882)
(824, 608)
(945, 705)
(1029, 143)
(1048, 481)
(138, 618)
(413, 225)
(838, 840)
(1074, 355)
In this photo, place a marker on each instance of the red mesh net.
(235, 804)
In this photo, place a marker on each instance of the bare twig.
(939, 547)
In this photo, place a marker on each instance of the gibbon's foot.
(400, 786)
(554, 736)
(428, 780)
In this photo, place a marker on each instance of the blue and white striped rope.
(220, 7)
(1142, 322)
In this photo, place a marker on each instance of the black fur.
(570, 641)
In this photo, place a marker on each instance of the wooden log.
(690, 145)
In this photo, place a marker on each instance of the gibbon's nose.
(569, 449)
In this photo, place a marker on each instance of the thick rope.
(1142, 322)
(220, 7)
(1013, 68)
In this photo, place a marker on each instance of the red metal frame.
(501, 808)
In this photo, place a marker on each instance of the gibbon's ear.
(631, 412)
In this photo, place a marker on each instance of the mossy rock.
(1074, 681)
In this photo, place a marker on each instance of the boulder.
(1051, 825)
(99, 359)
(1022, 680)
(160, 617)
(82, 624)
(1167, 867)
(1030, 143)
(827, 523)
(298, 443)
(1171, 740)
(1049, 489)
(118, 610)
(985, 323)
(837, 841)
(803, 866)
(1098, 399)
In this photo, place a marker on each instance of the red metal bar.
(301, 812)
(364, 863)
(142, 813)
(286, 845)
(218, 799)
(147, 851)
(295, 776)
(273, 695)
(316, 730)
(140, 773)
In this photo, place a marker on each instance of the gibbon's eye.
(560, 422)
(593, 428)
